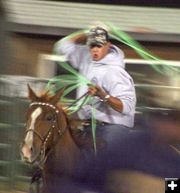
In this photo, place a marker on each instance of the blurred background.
(28, 31)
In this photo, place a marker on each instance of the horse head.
(46, 123)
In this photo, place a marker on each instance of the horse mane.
(46, 98)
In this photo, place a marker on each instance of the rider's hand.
(95, 90)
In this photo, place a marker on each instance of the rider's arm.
(79, 38)
(120, 88)
(114, 102)
(73, 49)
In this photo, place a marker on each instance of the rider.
(112, 87)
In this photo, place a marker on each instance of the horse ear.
(31, 94)
(54, 99)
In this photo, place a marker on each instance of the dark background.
(150, 3)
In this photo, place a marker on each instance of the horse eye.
(49, 117)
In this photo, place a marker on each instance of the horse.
(51, 144)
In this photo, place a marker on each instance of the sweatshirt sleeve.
(119, 84)
(73, 52)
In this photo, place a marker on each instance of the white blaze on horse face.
(29, 137)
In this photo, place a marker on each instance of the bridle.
(43, 155)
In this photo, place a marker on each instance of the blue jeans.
(107, 135)
(112, 133)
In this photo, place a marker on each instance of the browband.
(45, 104)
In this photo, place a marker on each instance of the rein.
(42, 153)
(78, 99)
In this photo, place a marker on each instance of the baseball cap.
(97, 36)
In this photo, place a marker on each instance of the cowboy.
(112, 87)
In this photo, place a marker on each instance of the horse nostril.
(26, 152)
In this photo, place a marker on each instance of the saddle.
(82, 134)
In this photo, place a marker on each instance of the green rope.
(74, 80)
(80, 103)
(93, 123)
(123, 37)
(71, 81)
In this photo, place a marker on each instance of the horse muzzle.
(27, 154)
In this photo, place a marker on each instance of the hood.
(114, 58)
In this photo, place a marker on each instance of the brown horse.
(49, 141)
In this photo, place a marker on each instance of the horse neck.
(64, 157)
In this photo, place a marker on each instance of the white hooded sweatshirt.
(109, 74)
